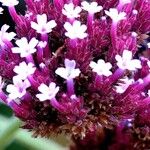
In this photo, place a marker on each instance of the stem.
(113, 33)
(14, 14)
(90, 22)
(47, 50)
(3, 97)
(40, 54)
(56, 104)
(98, 79)
(70, 87)
(30, 59)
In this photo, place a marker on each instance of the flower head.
(115, 15)
(9, 3)
(24, 70)
(126, 61)
(25, 48)
(71, 11)
(101, 68)
(76, 30)
(5, 36)
(92, 8)
(123, 85)
(18, 88)
(1, 10)
(47, 92)
(69, 72)
(42, 26)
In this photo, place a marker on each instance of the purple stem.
(29, 59)
(113, 33)
(90, 22)
(14, 14)
(70, 87)
(56, 104)
(98, 79)
(117, 75)
(40, 54)
(34, 84)
(47, 51)
(8, 44)
(58, 4)
(3, 97)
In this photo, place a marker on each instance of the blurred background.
(12, 137)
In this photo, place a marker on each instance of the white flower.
(47, 92)
(42, 26)
(18, 88)
(28, 14)
(1, 10)
(123, 2)
(92, 8)
(76, 30)
(71, 11)
(24, 70)
(126, 61)
(42, 44)
(101, 68)
(25, 48)
(124, 84)
(9, 3)
(148, 44)
(115, 15)
(5, 36)
(69, 72)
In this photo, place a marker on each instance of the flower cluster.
(81, 68)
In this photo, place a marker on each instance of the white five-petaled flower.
(9, 3)
(5, 36)
(71, 11)
(1, 10)
(24, 70)
(92, 8)
(42, 26)
(123, 85)
(115, 15)
(69, 72)
(47, 92)
(126, 62)
(25, 48)
(101, 68)
(42, 44)
(18, 88)
(76, 30)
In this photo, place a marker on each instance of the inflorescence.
(80, 68)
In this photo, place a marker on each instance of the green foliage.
(12, 137)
